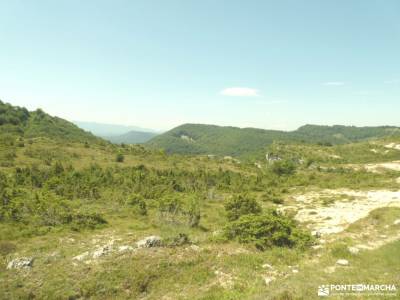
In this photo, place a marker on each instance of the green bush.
(241, 205)
(283, 167)
(139, 204)
(267, 230)
(119, 158)
(193, 212)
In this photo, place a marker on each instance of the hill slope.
(21, 122)
(211, 139)
(131, 137)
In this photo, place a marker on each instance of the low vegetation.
(78, 205)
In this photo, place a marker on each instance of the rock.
(353, 250)
(125, 248)
(295, 271)
(342, 262)
(195, 248)
(330, 270)
(396, 222)
(225, 280)
(149, 242)
(101, 251)
(267, 266)
(217, 233)
(20, 263)
(316, 247)
(268, 279)
(316, 233)
(82, 256)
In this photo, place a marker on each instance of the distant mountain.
(131, 137)
(108, 130)
(19, 121)
(211, 139)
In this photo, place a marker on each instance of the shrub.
(267, 230)
(87, 220)
(272, 197)
(241, 205)
(139, 204)
(119, 158)
(170, 207)
(283, 167)
(179, 240)
(193, 212)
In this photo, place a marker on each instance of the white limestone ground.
(338, 215)
(394, 165)
(393, 146)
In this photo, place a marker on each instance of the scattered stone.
(82, 256)
(295, 271)
(267, 266)
(20, 263)
(268, 279)
(125, 248)
(225, 280)
(316, 247)
(195, 248)
(330, 270)
(149, 242)
(396, 222)
(101, 251)
(342, 262)
(316, 233)
(353, 250)
(384, 236)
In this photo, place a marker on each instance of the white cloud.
(333, 83)
(240, 92)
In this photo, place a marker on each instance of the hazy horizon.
(262, 64)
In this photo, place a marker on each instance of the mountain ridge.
(193, 138)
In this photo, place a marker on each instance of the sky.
(158, 64)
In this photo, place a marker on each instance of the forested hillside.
(20, 122)
(211, 139)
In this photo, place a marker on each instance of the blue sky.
(158, 64)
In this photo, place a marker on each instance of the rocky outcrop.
(20, 263)
(149, 242)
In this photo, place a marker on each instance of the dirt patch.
(393, 146)
(336, 215)
(394, 165)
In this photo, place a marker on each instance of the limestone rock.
(342, 262)
(20, 263)
(149, 242)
